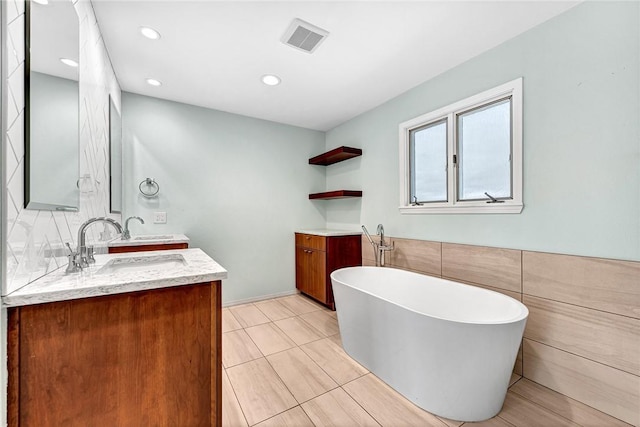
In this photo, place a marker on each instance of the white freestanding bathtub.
(449, 348)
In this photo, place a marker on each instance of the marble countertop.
(149, 239)
(189, 266)
(329, 232)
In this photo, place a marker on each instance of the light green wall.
(581, 141)
(237, 186)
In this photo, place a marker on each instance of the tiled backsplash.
(582, 333)
(35, 239)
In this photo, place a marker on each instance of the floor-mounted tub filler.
(449, 348)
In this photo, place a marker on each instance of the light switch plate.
(159, 217)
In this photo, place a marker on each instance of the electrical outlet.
(159, 217)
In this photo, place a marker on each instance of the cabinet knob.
(307, 237)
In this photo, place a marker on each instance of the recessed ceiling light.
(69, 62)
(154, 82)
(41, 1)
(270, 80)
(149, 33)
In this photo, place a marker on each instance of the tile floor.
(284, 366)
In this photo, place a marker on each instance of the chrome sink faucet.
(83, 256)
(126, 234)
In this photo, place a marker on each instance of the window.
(466, 157)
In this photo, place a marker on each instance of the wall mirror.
(115, 158)
(51, 106)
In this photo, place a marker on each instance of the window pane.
(429, 163)
(484, 147)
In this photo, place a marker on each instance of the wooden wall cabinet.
(148, 358)
(318, 256)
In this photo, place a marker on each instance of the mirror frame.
(28, 202)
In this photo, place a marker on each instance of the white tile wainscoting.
(35, 239)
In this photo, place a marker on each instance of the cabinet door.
(147, 358)
(317, 274)
(301, 269)
(311, 272)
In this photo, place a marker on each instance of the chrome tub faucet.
(379, 249)
(380, 232)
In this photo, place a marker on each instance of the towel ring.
(151, 188)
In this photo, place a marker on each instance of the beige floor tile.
(333, 314)
(302, 376)
(238, 348)
(298, 330)
(274, 310)
(269, 338)
(266, 391)
(248, 315)
(313, 302)
(322, 321)
(492, 422)
(232, 415)
(334, 361)
(337, 409)
(299, 304)
(336, 339)
(229, 322)
(564, 406)
(450, 423)
(523, 413)
(514, 379)
(259, 390)
(292, 418)
(387, 406)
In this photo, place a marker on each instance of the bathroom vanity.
(135, 339)
(149, 243)
(318, 254)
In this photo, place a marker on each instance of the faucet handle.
(73, 266)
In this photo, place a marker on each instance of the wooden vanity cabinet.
(144, 248)
(318, 256)
(147, 358)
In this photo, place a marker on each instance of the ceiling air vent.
(304, 36)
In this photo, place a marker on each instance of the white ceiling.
(54, 34)
(213, 53)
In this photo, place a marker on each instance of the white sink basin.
(142, 263)
(160, 237)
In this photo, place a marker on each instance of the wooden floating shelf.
(336, 155)
(338, 194)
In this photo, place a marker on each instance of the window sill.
(470, 208)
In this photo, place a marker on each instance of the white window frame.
(514, 205)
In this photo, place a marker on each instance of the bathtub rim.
(524, 311)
